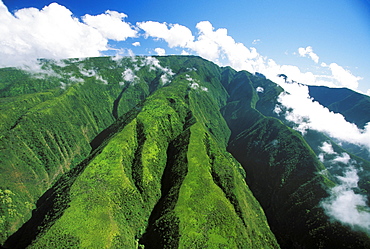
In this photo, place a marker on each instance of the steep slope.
(355, 107)
(135, 152)
(163, 180)
(44, 134)
(282, 170)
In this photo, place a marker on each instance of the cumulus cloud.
(48, 33)
(309, 114)
(343, 76)
(111, 25)
(194, 84)
(160, 51)
(54, 33)
(174, 34)
(308, 52)
(136, 44)
(183, 52)
(217, 46)
(210, 44)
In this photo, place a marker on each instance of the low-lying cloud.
(346, 206)
(309, 114)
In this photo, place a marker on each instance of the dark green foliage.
(45, 134)
(15, 82)
(283, 171)
(132, 152)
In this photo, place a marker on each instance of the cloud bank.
(345, 204)
(309, 114)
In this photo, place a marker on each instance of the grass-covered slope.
(135, 152)
(163, 180)
(44, 134)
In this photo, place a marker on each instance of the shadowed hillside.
(157, 152)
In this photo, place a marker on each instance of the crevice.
(52, 204)
(49, 208)
(163, 225)
(137, 165)
(223, 181)
(17, 122)
(103, 137)
(117, 100)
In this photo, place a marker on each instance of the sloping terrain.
(355, 107)
(135, 152)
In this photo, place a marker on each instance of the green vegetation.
(283, 171)
(166, 178)
(135, 153)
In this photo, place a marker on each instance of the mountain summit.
(171, 152)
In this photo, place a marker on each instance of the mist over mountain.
(177, 152)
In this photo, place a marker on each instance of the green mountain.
(158, 152)
(355, 107)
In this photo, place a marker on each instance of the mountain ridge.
(158, 141)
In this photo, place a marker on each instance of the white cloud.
(260, 89)
(347, 206)
(217, 46)
(183, 52)
(129, 75)
(111, 25)
(204, 89)
(136, 44)
(256, 41)
(309, 114)
(51, 32)
(174, 34)
(164, 79)
(308, 52)
(343, 158)
(54, 33)
(194, 85)
(344, 204)
(160, 51)
(100, 78)
(343, 76)
(87, 73)
(327, 148)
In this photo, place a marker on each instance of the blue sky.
(315, 42)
